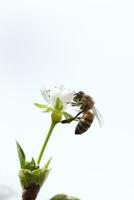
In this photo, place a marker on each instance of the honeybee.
(88, 111)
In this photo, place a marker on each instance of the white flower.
(51, 95)
(58, 99)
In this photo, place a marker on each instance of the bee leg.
(65, 121)
(78, 118)
(71, 119)
(72, 103)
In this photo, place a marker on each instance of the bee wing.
(98, 116)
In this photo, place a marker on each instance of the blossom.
(51, 95)
(57, 99)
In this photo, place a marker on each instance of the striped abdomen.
(85, 122)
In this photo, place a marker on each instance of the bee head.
(78, 96)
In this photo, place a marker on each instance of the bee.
(87, 109)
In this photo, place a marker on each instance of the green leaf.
(49, 109)
(47, 164)
(21, 155)
(63, 197)
(31, 165)
(24, 176)
(36, 172)
(33, 162)
(28, 177)
(41, 105)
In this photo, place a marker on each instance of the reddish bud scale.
(31, 192)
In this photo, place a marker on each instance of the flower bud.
(63, 197)
(56, 116)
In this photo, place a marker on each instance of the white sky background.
(85, 45)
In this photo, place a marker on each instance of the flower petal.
(66, 96)
(46, 94)
(51, 95)
(54, 93)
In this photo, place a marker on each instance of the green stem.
(46, 141)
